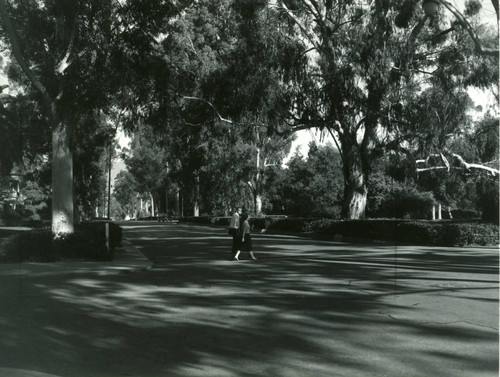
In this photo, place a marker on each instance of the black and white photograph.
(244, 188)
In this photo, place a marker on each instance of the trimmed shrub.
(196, 219)
(29, 246)
(461, 214)
(407, 202)
(418, 232)
(259, 223)
(87, 242)
(489, 206)
(463, 234)
(292, 224)
(225, 221)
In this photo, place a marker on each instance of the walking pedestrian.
(246, 238)
(234, 230)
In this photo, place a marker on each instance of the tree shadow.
(305, 308)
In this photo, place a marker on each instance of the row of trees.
(214, 90)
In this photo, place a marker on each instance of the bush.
(418, 232)
(259, 223)
(28, 246)
(196, 219)
(489, 206)
(225, 221)
(423, 232)
(87, 242)
(407, 202)
(465, 214)
(292, 224)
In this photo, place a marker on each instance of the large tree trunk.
(152, 204)
(355, 195)
(196, 196)
(258, 204)
(62, 183)
(355, 180)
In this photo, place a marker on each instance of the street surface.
(305, 308)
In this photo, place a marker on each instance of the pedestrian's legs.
(236, 242)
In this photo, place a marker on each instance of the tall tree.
(58, 46)
(148, 165)
(312, 187)
(367, 55)
(79, 57)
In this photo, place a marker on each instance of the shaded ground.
(306, 308)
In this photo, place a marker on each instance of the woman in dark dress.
(246, 239)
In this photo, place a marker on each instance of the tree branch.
(212, 106)
(447, 166)
(64, 63)
(470, 30)
(336, 143)
(311, 37)
(21, 60)
(475, 166)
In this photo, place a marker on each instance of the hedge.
(436, 233)
(416, 232)
(87, 242)
(255, 222)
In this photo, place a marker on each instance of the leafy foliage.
(311, 187)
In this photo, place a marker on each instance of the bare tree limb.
(470, 30)
(336, 143)
(475, 166)
(211, 105)
(447, 165)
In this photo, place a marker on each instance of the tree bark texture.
(62, 160)
(62, 183)
(355, 179)
(196, 196)
(257, 203)
(152, 204)
(177, 203)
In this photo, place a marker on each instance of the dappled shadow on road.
(306, 308)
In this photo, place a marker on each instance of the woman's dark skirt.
(246, 245)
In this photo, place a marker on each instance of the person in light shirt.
(234, 230)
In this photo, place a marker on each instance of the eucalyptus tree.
(206, 96)
(59, 48)
(78, 57)
(369, 59)
(126, 193)
(252, 89)
(311, 187)
(147, 163)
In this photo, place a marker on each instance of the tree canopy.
(213, 91)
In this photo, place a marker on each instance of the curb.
(130, 257)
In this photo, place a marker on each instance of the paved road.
(305, 308)
(312, 308)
